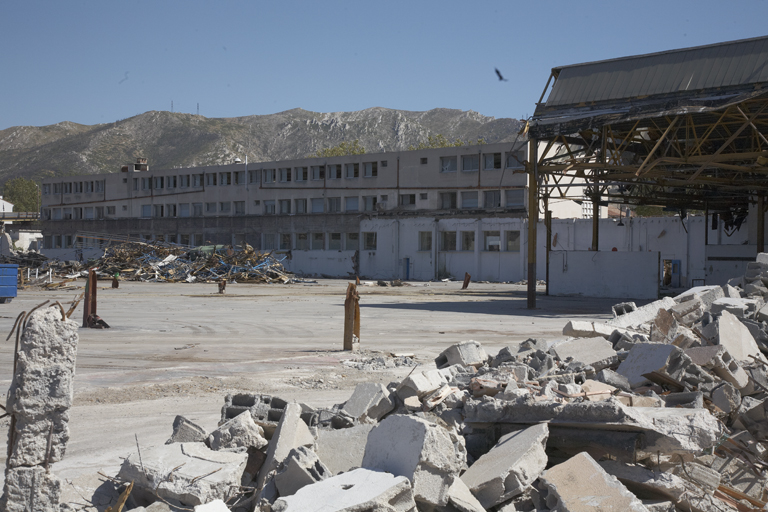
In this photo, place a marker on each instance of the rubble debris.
(595, 352)
(645, 358)
(467, 353)
(240, 431)
(301, 467)
(185, 431)
(342, 449)
(291, 432)
(369, 402)
(360, 489)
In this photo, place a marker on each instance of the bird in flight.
(501, 78)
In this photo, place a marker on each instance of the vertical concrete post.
(533, 219)
(89, 301)
(351, 316)
(760, 223)
(596, 219)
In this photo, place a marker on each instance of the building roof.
(728, 64)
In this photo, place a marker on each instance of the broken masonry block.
(595, 352)
(266, 410)
(614, 379)
(302, 467)
(646, 358)
(369, 402)
(719, 360)
(342, 450)
(291, 432)
(622, 308)
(419, 450)
(239, 432)
(642, 314)
(736, 338)
(185, 431)
(466, 353)
(421, 384)
(509, 467)
(30, 489)
(726, 397)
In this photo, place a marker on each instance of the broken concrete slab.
(597, 391)
(739, 307)
(585, 329)
(736, 338)
(466, 353)
(302, 467)
(726, 397)
(358, 490)
(421, 384)
(173, 472)
(265, 409)
(580, 484)
(642, 314)
(291, 432)
(645, 358)
(719, 360)
(30, 489)
(707, 295)
(185, 431)
(419, 450)
(595, 352)
(239, 432)
(369, 402)
(341, 450)
(214, 506)
(460, 499)
(509, 467)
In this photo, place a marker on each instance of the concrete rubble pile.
(661, 408)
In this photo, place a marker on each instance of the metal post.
(548, 222)
(595, 220)
(533, 219)
(706, 226)
(760, 223)
(351, 317)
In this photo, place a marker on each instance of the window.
(256, 205)
(448, 164)
(351, 204)
(352, 170)
(88, 187)
(170, 210)
(253, 176)
(491, 161)
(301, 205)
(302, 241)
(184, 183)
(334, 171)
(317, 205)
(269, 175)
(46, 189)
(469, 199)
(210, 179)
(492, 199)
(269, 207)
(300, 173)
(68, 188)
(423, 196)
(447, 240)
(318, 241)
(492, 241)
(57, 214)
(100, 186)
(470, 163)
(239, 207)
(159, 210)
(270, 242)
(197, 181)
(125, 207)
(197, 209)
(89, 212)
(352, 242)
(334, 204)
(425, 240)
(370, 169)
(197, 239)
(369, 203)
(210, 208)
(334, 241)
(467, 240)
(447, 200)
(184, 239)
(318, 172)
(68, 213)
(515, 160)
(171, 182)
(146, 183)
(369, 241)
(424, 160)
(515, 198)
(57, 188)
(111, 210)
(225, 178)
(407, 199)
(184, 211)
(135, 184)
(285, 206)
(239, 177)
(384, 198)
(225, 207)
(513, 241)
(99, 212)
(285, 174)
(146, 210)
(285, 241)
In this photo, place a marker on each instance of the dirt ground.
(181, 348)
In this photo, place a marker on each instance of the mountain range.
(172, 140)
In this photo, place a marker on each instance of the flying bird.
(124, 79)
(501, 78)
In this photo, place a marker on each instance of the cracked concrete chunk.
(240, 431)
(509, 467)
(31, 489)
(736, 338)
(418, 450)
(291, 432)
(185, 431)
(467, 353)
(645, 358)
(580, 485)
(369, 402)
(360, 490)
(342, 449)
(302, 467)
(595, 352)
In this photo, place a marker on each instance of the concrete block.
(762, 257)
(614, 379)
(369, 402)
(726, 397)
(707, 295)
(185, 431)
(683, 309)
(30, 489)
(461, 499)
(240, 431)
(595, 352)
(605, 391)
(152, 472)
(762, 314)
(466, 353)
(736, 338)
(642, 314)
(266, 410)
(645, 358)
(419, 450)
(358, 490)
(341, 450)
(421, 384)
(509, 467)
(302, 467)
(580, 484)
(623, 308)
(291, 432)
(214, 506)
(690, 400)
(719, 360)
(739, 307)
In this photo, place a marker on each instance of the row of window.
(491, 161)
(77, 212)
(465, 241)
(74, 187)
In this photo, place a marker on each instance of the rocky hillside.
(181, 140)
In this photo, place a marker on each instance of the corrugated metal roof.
(705, 67)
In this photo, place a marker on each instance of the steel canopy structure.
(684, 129)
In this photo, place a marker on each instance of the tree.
(23, 193)
(345, 148)
(441, 141)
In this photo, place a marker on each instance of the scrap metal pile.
(662, 408)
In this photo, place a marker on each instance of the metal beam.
(533, 219)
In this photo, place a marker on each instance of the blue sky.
(99, 61)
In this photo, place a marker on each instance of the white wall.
(620, 275)
(330, 263)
